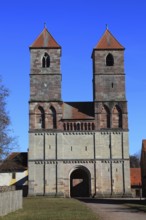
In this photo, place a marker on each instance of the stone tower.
(45, 82)
(78, 148)
(109, 83)
(110, 109)
(45, 105)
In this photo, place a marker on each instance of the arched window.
(105, 117)
(40, 117)
(117, 117)
(53, 118)
(109, 60)
(46, 60)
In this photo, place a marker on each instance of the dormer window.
(109, 60)
(46, 61)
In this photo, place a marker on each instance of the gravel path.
(114, 209)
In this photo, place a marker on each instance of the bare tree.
(7, 141)
(135, 161)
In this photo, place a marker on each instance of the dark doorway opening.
(79, 183)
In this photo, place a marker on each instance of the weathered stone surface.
(76, 146)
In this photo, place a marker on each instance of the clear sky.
(77, 25)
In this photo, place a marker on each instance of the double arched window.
(46, 60)
(109, 60)
(44, 120)
(111, 120)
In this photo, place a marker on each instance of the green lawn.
(37, 208)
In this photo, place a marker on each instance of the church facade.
(78, 149)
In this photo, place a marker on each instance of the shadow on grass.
(129, 205)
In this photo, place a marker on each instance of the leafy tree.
(7, 142)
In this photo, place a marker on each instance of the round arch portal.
(80, 182)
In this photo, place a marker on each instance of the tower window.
(109, 60)
(46, 61)
(117, 117)
(40, 117)
(105, 117)
(54, 125)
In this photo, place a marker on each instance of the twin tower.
(78, 149)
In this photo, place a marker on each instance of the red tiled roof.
(108, 41)
(45, 40)
(135, 174)
(16, 161)
(78, 110)
(13, 155)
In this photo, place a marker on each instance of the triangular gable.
(108, 41)
(45, 40)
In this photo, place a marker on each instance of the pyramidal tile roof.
(45, 40)
(108, 41)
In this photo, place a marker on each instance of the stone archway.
(80, 183)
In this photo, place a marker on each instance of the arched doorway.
(80, 183)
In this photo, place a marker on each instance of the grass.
(43, 208)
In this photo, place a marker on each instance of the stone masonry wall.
(53, 157)
(45, 83)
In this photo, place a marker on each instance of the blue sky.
(77, 25)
